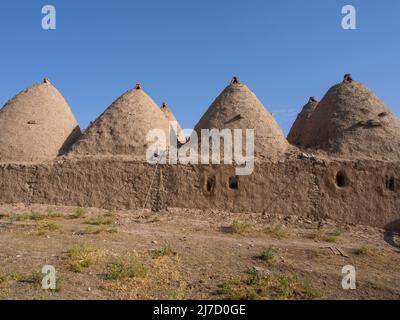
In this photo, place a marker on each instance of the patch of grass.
(7, 276)
(4, 215)
(240, 227)
(35, 277)
(19, 217)
(165, 250)
(278, 232)
(106, 219)
(36, 216)
(366, 251)
(97, 230)
(81, 256)
(154, 220)
(259, 286)
(59, 284)
(178, 294)
(327, 235)
(267, 255)
(45, 226)
(79, 213)
(52, 214)
(126, 268)
(290, 287)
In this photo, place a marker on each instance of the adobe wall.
(296, 187)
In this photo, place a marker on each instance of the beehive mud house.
(341, 159)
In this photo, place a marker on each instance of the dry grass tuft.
(105, 219)
(91, 230)
(165, 250)
(81, 256)
(123, 268)
(240, 227)
(7, 276)
(79, 213)
(45, 227)
(258, 286)
(278, 232)
(326, 235)
(267, 255)
(367, 251)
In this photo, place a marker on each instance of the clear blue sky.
(185, 51)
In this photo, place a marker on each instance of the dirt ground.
(190, 254)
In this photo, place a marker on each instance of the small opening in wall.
(210, 184)
(341, 179)
(391, 183)
(233, 182)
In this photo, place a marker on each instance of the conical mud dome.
(36, 125)
(298, 129)
(171, 118)
(351, 122)
(122, 128)
(237, 107)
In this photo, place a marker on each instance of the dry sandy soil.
(189, 254)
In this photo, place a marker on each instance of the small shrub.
(36, 216)
(35, 277)
(126, 268)
(267, 255)
(165, 250)
(325, 235)
(81, 256)
(48, 225)
(7, 276)
(240, 227)
(178, 294)
(101, 220)
(278, 232)
(79, 213)
(271, 286)
(19, 217)
(59, 284)
(51, 214)
(255, 277)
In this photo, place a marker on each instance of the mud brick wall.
(366, 192)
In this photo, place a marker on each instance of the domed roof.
(298, 128)
(36, 125)
(122, 128)
(351, 122)
(171, 118)
(237, 107)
